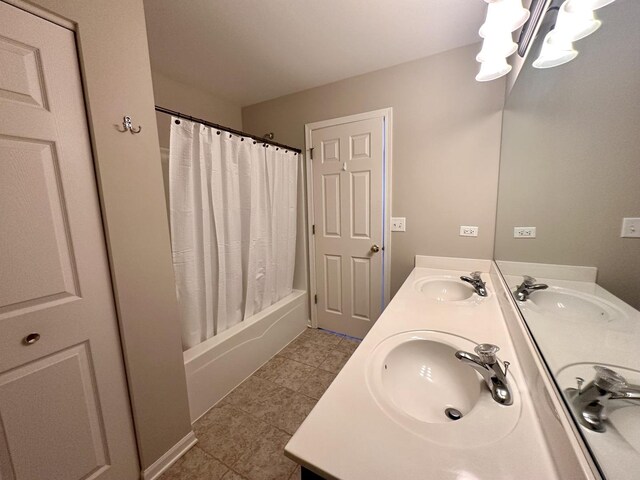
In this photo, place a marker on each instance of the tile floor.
(243, 436)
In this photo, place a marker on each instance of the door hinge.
(311, 153)
(315, 299)
(313, 229)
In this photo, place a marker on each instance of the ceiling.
(248, 51)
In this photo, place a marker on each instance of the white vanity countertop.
(348, 436)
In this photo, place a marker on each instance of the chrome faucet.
(476, 282)
(527, 286)
(486, 364)
(590, 403)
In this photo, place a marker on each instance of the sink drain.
(453, 413)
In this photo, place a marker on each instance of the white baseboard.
(169, 458)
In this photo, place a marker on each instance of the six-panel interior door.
(348, 198)
(64, 406)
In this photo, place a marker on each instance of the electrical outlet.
(468, 231)
(630, 228)
(398, 224)
(524, 232)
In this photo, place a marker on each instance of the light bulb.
(556, 50)
(493, 69)
(576, 24)
(504, 14)
(500, 44)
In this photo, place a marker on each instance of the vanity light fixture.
(576, 20)
(491, 70)
(503, 15)
(503, 18)
(498, 45)
(556, 50)
(576, 23)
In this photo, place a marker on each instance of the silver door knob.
(31, 338)
(375, 248)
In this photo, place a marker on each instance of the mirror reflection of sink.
(572, 305)
(618, 447)
(419, 383)
(626, 421)
(444, 288)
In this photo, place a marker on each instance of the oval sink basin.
(446, 289)
(418, 382)
(423, 378)
(626, 421)
(572, 305)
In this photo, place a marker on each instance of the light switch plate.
(524, 232)
(630, 228)
(468, 231)
(398, 224)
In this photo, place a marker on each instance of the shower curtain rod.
(226, 129)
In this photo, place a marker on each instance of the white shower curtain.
(233, 227)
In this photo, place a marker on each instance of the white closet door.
(64, 406)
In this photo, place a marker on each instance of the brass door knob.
(375, 248)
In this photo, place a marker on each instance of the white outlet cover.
(398, 224)
(468, 231)
(524, 232)
(630, 228)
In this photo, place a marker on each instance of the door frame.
(386, 114)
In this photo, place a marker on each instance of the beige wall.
(446, 145)
(570, 158)
(117, 80)
(183, 98)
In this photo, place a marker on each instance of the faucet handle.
(476, 275)
(487, 352)
(528, 280)
(608, 379)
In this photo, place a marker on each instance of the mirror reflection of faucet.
(590, 403)
(485, 362)
(476, 282)
(528, 286)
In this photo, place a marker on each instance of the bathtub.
(221, 363)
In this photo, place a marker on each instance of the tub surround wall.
(446, 147)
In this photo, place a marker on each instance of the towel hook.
(127, 125)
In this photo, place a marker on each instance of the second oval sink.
(573, 305)
(446, 289)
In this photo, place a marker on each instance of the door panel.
(360, 205)
(331, 205)
(361, 288)
(333, 283)
(348, 211)
(40, 255)
(66, 381)
(64, 405)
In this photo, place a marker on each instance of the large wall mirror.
(570, 169)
